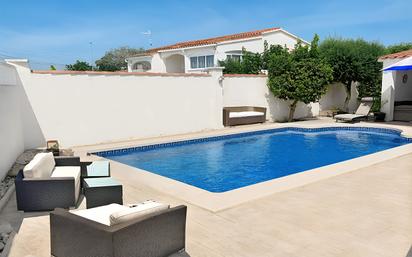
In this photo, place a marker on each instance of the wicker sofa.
(157, 234)
(242, 115)
(48, 182)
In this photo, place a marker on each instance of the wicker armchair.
(47, 193)
(159, 234)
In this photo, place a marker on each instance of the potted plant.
(377, 114)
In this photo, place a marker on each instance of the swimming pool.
(223, 163)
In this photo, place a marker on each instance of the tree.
(250, 63)
(114, 60)
(298, 75)
(398, 48)
(231, 66)
(354, 61)
(79, 66)
(52, 67)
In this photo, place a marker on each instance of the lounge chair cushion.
(100, 214)
(138, 211)
(245, 114)
(364, 108)
(41, 166)
(348, 116)
(68, 172)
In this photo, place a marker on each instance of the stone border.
(116, 151)
(216, 202)
(7, 196)
(7, 247)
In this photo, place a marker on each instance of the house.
(198, 55)
(396, 99)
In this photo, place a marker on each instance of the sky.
(61, 32)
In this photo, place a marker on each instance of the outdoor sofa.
(242, 115)
(361, 113)
(117, 231)
(48, 182)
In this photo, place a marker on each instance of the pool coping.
(216, 202)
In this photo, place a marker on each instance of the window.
(201, 61)
(234, 57)
(193, 62)
(197, 62)
(210, 61)
(141, 66)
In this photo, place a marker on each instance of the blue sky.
(60, 32)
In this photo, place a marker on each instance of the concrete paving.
(367, 212)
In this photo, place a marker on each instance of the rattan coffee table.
(102, 191)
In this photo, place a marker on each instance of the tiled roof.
(213, 40)
(398, 55)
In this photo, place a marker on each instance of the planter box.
(379, 116)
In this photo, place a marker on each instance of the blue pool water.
(224, 163)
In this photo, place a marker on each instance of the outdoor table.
(102, 191)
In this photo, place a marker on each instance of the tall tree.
(398, 48)
(79, 66)
(114, 60)
(298, 75)
(354, 61)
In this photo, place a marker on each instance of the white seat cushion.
(69, 171)
(138, 211)
(41, 166)
(245, 114)
(100, 214)
(347, 116)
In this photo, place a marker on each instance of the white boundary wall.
(252, 90)
(18, 127)
(81, 108)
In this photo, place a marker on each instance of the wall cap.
(119, 73)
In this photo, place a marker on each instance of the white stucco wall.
(252, 45)
(89, 109)
(335, 98)
(253, 91)
(175, 63)
(160, 61)
(403, 91)
(280, 38)
(196, 51)
(18, 127)
(389, 79)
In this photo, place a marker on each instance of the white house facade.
(396, 94)
(198, 55)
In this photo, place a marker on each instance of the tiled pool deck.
(367, 212)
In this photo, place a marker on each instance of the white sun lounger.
(361, 113)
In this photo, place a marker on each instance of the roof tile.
(213, 40)
(398, 55)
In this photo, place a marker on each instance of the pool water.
(225, 163)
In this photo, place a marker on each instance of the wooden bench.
(242, 115)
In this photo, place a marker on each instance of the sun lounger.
(361, 113)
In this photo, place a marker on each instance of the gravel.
(5, 184)
(5, 231)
